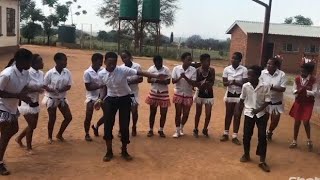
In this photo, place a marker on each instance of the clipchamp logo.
(301, 178)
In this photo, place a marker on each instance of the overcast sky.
(209, 18)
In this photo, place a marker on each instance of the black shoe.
(245, 158)
(3, 170)
(224, 138)
(95, 131)
(134, 131)
(125, 155)
(161, 134)
(269, 136)
(205, 132)
(150, 134)
(236, 141)
(88, 138)
(108, 157)
(196, 133)
(264, 166)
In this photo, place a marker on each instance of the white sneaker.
(176, 134)
(181, 132)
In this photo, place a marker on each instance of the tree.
(31, 30)
(110, 12)
(171, 38)
(299, 19)
(48, 24)
(194, 41)
(103, 36)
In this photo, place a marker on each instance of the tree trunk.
(136, 37)
(29, 40)
(48, 40)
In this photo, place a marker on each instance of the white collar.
(32, 70)
(277, 72)
(260, 84)
(62, 72)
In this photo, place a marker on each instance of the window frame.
(294, 48)
(310, 47)
(11, 21)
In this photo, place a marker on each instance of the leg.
(87, 121)
(124, 119)
(96, 128)
(153, 112)
(308, 129)
(197, 116)
(185, 115)
(262, 124)
(208, 108)
(163, 118)
(52, 112)
(247, 134)
(65, 110)
(297, 124)
(177, 119)
(110, 108)
(21, 136)
(236, 120)
(230, 108)
(134, 111)
(32, 120)
(275, 118)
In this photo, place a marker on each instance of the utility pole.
(263, 60)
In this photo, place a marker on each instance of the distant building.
(292, 42)
(9, 25)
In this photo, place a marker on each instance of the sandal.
(293, 145)
(3, 170)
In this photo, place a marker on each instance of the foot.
(88, 138)
(236, 141)
(60, 138)
(264, 166)
(150, 134)
(134, 131)
(293, 145)
(161, 134)
(245, 158)
(176, 134)
(196, 133)
(269, 136)
(19, 142)
(30, 152)
(119, 134)
(95, 131)
(205, 132)
(224, 138)
(181, 132)
(108, 157)
(125, 155)
(50, 141)
(310, 146)
(3, 170)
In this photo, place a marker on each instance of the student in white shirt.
(31, 111)
(276, 79)
(57, 82)
(118, 97)
(133, 82)
(13, 82)
(255, 98)
(234, 76)
(184, 77)
(93, 85)
(159, 95)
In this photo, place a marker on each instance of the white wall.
(4, 39)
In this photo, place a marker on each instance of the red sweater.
(302, 97)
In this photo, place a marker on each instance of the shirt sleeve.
(174, 73)
(3, 82)
(168, 73)
(267, 97)
(129, 71)
(194, 75)
(283, 81)
(243, 95)
(86, 78)
(294, 88)
(313, 91)
(69, 79)
(225, 73)
(47, 79)
(245, 73)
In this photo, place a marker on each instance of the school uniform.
(36, 82)
(233, 92)
(204, 96)
(12, 81)
(118, 98)
(183, 90)
(54, 80)
(91, 76)
(278, 79)
(254, 98)
(159, 94)
(303, 105)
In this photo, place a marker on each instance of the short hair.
(256, 69)
(185, 55)
(309, 67)
(34, 59)
(111, 55)
(157, 58)
(204, 57)
(276, 61)
(22, 55)
(95, 57)
(127, 53)
(238, 55)
(59, 56)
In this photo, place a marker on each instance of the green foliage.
(49, 3)
(299, 19)
(62, 12)
(31, 30)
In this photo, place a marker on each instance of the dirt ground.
(154, 158)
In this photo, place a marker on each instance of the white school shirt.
(12, 81)
(116, 81)
(36, 81)
(156, 87)
(237, 74)
(182, 87)
(53, 79)
(304, 81)
(254, 98)
(278, 79)
(134, 87)
(91, 76)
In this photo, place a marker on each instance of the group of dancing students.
(256, 92)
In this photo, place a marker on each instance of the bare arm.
(278, 89)
(92, 86)
(64, 89)
(136, 81)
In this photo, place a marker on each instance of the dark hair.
(309, 67)
(256, 69)
(157, 58)
(276, 61)
(23, 55)
(10, 63)
(238, 55)
(185, 55)
(34, 59)
(111, 55)
(59, 56)
(127, 53)
(204, 57)
(95, 57)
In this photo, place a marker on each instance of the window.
(0, 21)
(11, 22)
(311, 49)
(289, 47)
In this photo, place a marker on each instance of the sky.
(208, 18)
